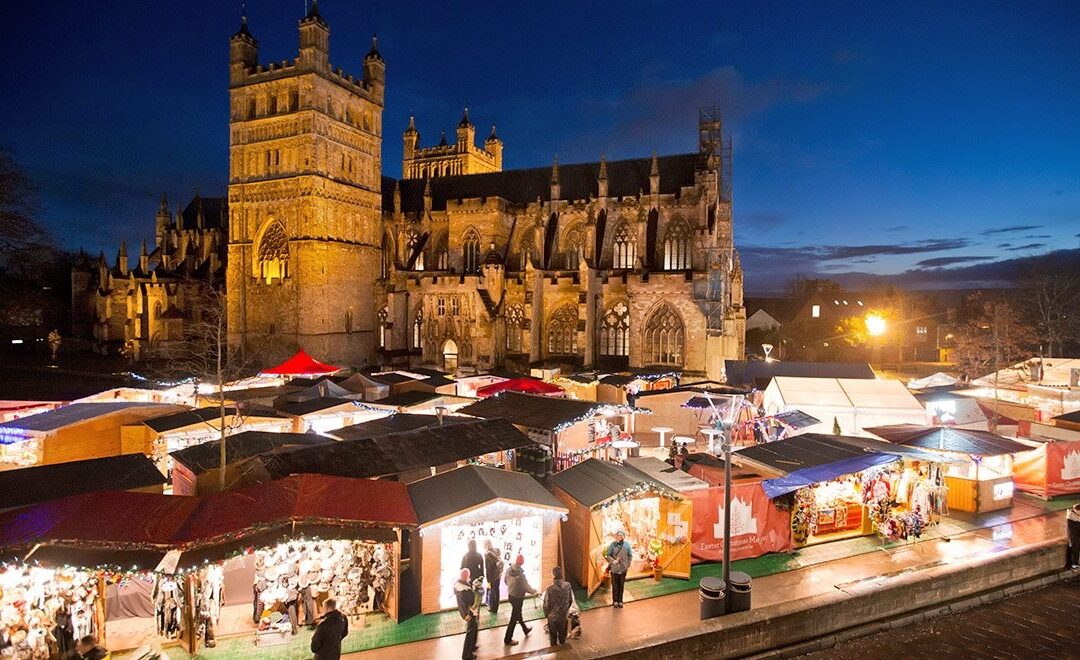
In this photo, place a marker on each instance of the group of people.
(560, 606)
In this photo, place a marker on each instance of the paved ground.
(1038, 624)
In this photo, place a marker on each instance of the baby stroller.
(573, 621)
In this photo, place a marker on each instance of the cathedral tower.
(304, 199)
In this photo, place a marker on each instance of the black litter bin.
(711, 592)
(738, 595)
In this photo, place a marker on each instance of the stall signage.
(757, 526)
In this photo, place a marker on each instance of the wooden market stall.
(1052, 467)
(511, 509)
(26, 486)
(604, 498)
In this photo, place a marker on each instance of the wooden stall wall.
(675, 557)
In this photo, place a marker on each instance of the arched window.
(443, 260)
(412, 248)
(470, 252)
(418, 329)
(573, 248)
(562, 331)
(515, 325)
(677, 247)
(384, 334)
(273, 253)
(664, 337)
(527, 249)
(624, 250)
(615, 331)
(384, 263)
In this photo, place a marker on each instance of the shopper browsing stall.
(333, 627)
(468, 603)
(618, 555)
(517, 587)
(557, 601)
(493, 569)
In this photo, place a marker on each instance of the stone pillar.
(534, 280)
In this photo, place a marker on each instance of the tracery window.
(440, 306)
(527, 250)
(615, 331)
(664, 337)
(418, 329)
(410, 249)
(677, 247)
(573, 248)
(274, 253)
(443, 260)
(515, 326)
(470, 252)
(455, 305)
(383, 329)
(562, 331)
(624, 247)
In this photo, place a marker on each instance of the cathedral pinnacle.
(493, 135)
(374, 54)
(555, 171)
(655, 165)
(442, 142)
(465, 123)
(603, 168)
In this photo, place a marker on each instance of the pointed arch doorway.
(450, 355)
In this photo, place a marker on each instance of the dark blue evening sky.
(869, 137)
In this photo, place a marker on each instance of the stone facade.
(444, 159)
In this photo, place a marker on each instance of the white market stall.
(852, 403)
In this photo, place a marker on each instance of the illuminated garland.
(639, 490)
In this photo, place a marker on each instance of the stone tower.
(304, 199)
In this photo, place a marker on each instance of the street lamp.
(875, 324)
(726, 425)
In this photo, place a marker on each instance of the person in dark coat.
(517, 586)
(64, 632)
(468, 607)
(88, 648)
(557, 601)
(493, 569)
(474, 561)
(332, 628)
(619, 556)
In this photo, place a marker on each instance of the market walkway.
(608, 631)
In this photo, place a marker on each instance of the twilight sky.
(928, 140)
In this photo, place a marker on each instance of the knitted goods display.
(31, 599)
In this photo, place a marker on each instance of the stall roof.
(802, 451)
(666, 474)
(309, 406)
(321, 389)
(538, 412)
(703, 387)
(58, 418)
(391, 378)
(526, 385)
(866, 394)
(450, 493)
(1071, 417)
(594, 481)
(122, 528)
(408, 398)
(394, 424)
(302, 364)
(796, 419)
(951, 439)
(49, 482)
(206, 456)
(758, 372)
(208, 414)
(397, 453)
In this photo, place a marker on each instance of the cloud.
(896, 228)
(1004, 246)
(760, 221)
(1009, 230)
(1038, 236)
(938, 262)
(1029, 246)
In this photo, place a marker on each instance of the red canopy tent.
(526, 385)
(301, 364)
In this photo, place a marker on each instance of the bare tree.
(1051, 298)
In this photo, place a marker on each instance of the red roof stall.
(526, 385)
(301, 364)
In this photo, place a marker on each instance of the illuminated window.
(383, 334)
(418, 329)
(615, 331)
(815, 311)
(470, 252)
(515, 326)
(623, 247)
(414, 252)
(920, 330)
(562, 331)
(573, 247)
(664, 337)
(274, 253)
(384, 262)
(677, 247)
(455, 306)
(440, 306)
(443, 261)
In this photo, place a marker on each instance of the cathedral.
(458, 264)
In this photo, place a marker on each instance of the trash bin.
(711, 592)
(738, 595)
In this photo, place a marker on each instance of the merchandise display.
(639, 520)
(168, 596)
(42, 611)
(511, 536)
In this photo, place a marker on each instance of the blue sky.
(878, 138)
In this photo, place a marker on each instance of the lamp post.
(726, 425)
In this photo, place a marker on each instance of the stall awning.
(395, 423)
(525, 385)
(594, 481)
(950, 439)
(301, 364)
(796, 419)
(472, 486)
(541, 412)
(793, 481)
(49, 482)
(665, 473)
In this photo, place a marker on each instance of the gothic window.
(677, 247)
(562, 331)
(273, 104)
(411, 248)
(573, 248)
(418, 329)
(348, 321)
(515, 325)
(664, 337)
(251, 109)
(455, 306)
(383, 334)
(384, 259)
(615, 331)
(274, 253)
(443, 259)
(527, 249)
(470, 252)
(441, 306)
(294, 100)
(624, 250)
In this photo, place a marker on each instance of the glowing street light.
(875, 324)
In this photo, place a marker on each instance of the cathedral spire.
(603, 168)
(465, 119)
(655, 165)
(164, 208)
(555, 171)
(654, 176)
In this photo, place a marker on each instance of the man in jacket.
(517, 587)
(474, 561)
(467, 604)
(557, 600)
(618, 556)
(332, 628)
(493, 570)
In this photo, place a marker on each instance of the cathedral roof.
(577, 181)
(214, 211)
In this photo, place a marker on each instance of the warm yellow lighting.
(875, 324)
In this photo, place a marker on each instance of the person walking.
(618, 556)
(493, 570)
(332, 628)
(468, 608)
(474, 561)
(1072, 525)
(557, 600)
(517, 587)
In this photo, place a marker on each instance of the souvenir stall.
(758, 525)
(1052, 467)
(581, 386)
(672, 408)
(523, 385)
(43, 611)
(301, 364)
(604, 498)
(979, 476)
(325, 414)
(510, 509)
(621, 388)
(853, 404)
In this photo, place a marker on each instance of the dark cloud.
(1009, 230)
(1029, 246)
(1038, 236)
(836, 252)
(938, 262)
(1004, 246)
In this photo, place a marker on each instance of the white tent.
(1055, 372)
(940, 379)
(854, 403)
